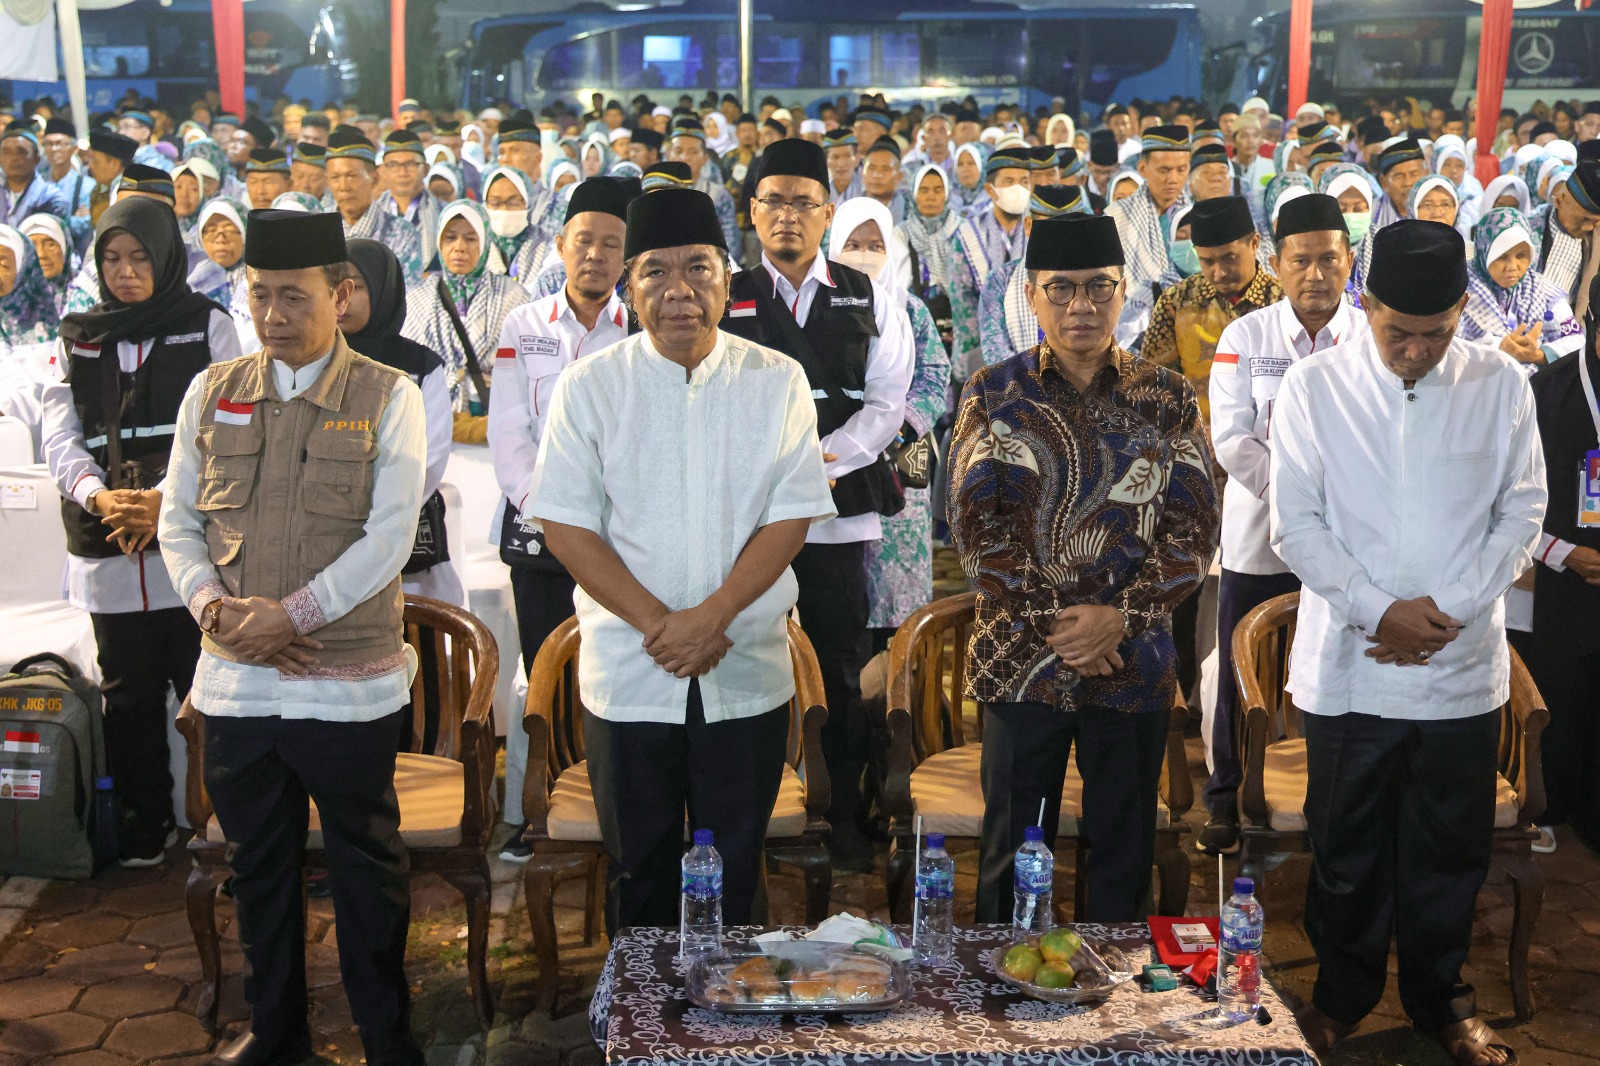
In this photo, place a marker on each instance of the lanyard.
(1588, 391)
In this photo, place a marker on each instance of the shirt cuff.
(204, 593)
(1553, 551)
(87, 486)
(304, 610)
(1368, 608)
(1455, 600)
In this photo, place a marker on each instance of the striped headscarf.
(1493, 310)
(929, 235)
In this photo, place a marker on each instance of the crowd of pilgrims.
(461, 216)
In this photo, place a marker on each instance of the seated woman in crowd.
(480, 295)
(28, 312)
(967, 194)
(222, 226)
(1350, 185)
(194, 183)
(597, 155)
(445, 181)
(1124, 183)
(1285, 185)
(297, 201)
(1508, 301)
(507, 196)
(900, 565)
(1508, 190)
(52, 243)
(927, 231)
(562, 172)
(1435, 199)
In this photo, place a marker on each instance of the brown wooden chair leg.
(594, 899)
(473, 884)
(200, 901)
(1527, 886)
(1173, 867)
(897, 879)
(819, 882)
(539, 879)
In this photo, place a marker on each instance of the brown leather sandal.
(1466, 1040)
(1321, 1031)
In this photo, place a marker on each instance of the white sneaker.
(1547, 840)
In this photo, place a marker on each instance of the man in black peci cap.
(1569, 252)
(1407, 488)
(685, 670)
(304, 667)
(109, 155)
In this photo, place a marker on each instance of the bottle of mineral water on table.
(700, 915)
(1035, 870)
(1239, 955)
(931, 935)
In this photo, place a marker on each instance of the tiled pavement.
(105, 972)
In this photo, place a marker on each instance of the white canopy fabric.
(28, 44)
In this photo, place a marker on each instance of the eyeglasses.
(395, 164)
(1099, 290)
(778, 205)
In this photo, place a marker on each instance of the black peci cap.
(1418, 267)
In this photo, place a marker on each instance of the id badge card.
(1589, 491)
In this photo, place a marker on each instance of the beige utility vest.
(286, 488)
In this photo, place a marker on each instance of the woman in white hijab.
(719, 138)
(1061, 131)
(900, 565)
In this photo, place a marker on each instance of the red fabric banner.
(1299, 54)
(1494, 46)
(227, 24)
(397, 56)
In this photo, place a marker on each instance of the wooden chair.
(446, 809)
(559, 806)
(1272, 796)
(934, 754)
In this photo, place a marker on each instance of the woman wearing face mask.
(52, 244)
(482, 295)
(1349, 184)
(472, 144)
(900, 565)
(28, 312)
(1509, 303)
(927, 232)
(506, 196)
(1185, 260)
(967, 193)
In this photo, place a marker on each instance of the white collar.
(667, 368)
(291, 382)
(1339, 327)
(614, 309)
(819, 272)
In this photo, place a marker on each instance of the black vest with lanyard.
(143, 406)
(832, 348)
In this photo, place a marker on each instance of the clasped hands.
(132, 515)
(1086, 636)
(260, 631)
(688, 643)
(1411, 631)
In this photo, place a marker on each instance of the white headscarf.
(1345, 182)
(438, 171)
(472, 150)
(854, 213)
(718, 137)
(1507, 184)
(1072, 130)
(435, 153)
(219, 206)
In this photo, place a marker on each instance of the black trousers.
(140, 654)
(646, 775)
(1025, 751)
(833, 613)
(1567, 679)
(261, 772)
(1185, 629)
(1401, 815)
(543, 600)
(1237, 595)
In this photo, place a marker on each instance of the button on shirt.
(1253, 354)
(1379, 493)
(677, 476)
(890, 363)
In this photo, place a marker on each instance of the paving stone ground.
(105, 973)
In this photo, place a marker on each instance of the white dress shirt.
(25, 373)
(1253, 353)
(122, 583)
(223, 687)
(677, 476)
(891, 360)
(1379, 493)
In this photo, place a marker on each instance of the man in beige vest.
(291, 505)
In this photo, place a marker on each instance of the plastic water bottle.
(107, 819)
(1035, 877)
(931, 930)
(1239, 956)
(700, 917)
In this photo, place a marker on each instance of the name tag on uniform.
(186, 338)
(847, 301)
(534, 347)
(1589, 490)
(1269, 366)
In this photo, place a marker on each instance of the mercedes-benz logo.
(1534, 53)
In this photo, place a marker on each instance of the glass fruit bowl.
(1092, 968)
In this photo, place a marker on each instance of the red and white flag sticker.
(234, 414)
(21, 740)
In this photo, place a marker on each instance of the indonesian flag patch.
(1225, 363)
(22, 741)
(743, 309)
(85, 351)
(234, 414)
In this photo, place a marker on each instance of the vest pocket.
(338, 489)
(226, 548)
(225, 482)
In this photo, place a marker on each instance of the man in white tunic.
(679, 472)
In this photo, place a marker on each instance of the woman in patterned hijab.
(1509, 303)
(28, 313)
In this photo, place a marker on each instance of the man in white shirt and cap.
(1407, 491)
(685, 672)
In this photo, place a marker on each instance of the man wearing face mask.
(537, 342)
(1006, 322)
(1312, 263)
(854, 341)
(982, 244)
(1145, 222)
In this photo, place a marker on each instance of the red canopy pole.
(1299, 54)
(1494, 46)
(397, 56)
(227, 24)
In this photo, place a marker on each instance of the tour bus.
(167, 52)
(1426, 49)
(812, 51)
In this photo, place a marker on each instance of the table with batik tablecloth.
(958, 1014)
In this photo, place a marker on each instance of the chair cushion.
(946, 791)
(432, 794)
(1284, 783)
(572, 814)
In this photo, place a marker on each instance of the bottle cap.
(702, 838)
(935, 840)
(104, 784)
(1034, 834)
(1244, 886)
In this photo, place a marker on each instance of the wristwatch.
(211, 617)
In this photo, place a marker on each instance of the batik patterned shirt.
(1188, 320)
(1061, 498)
